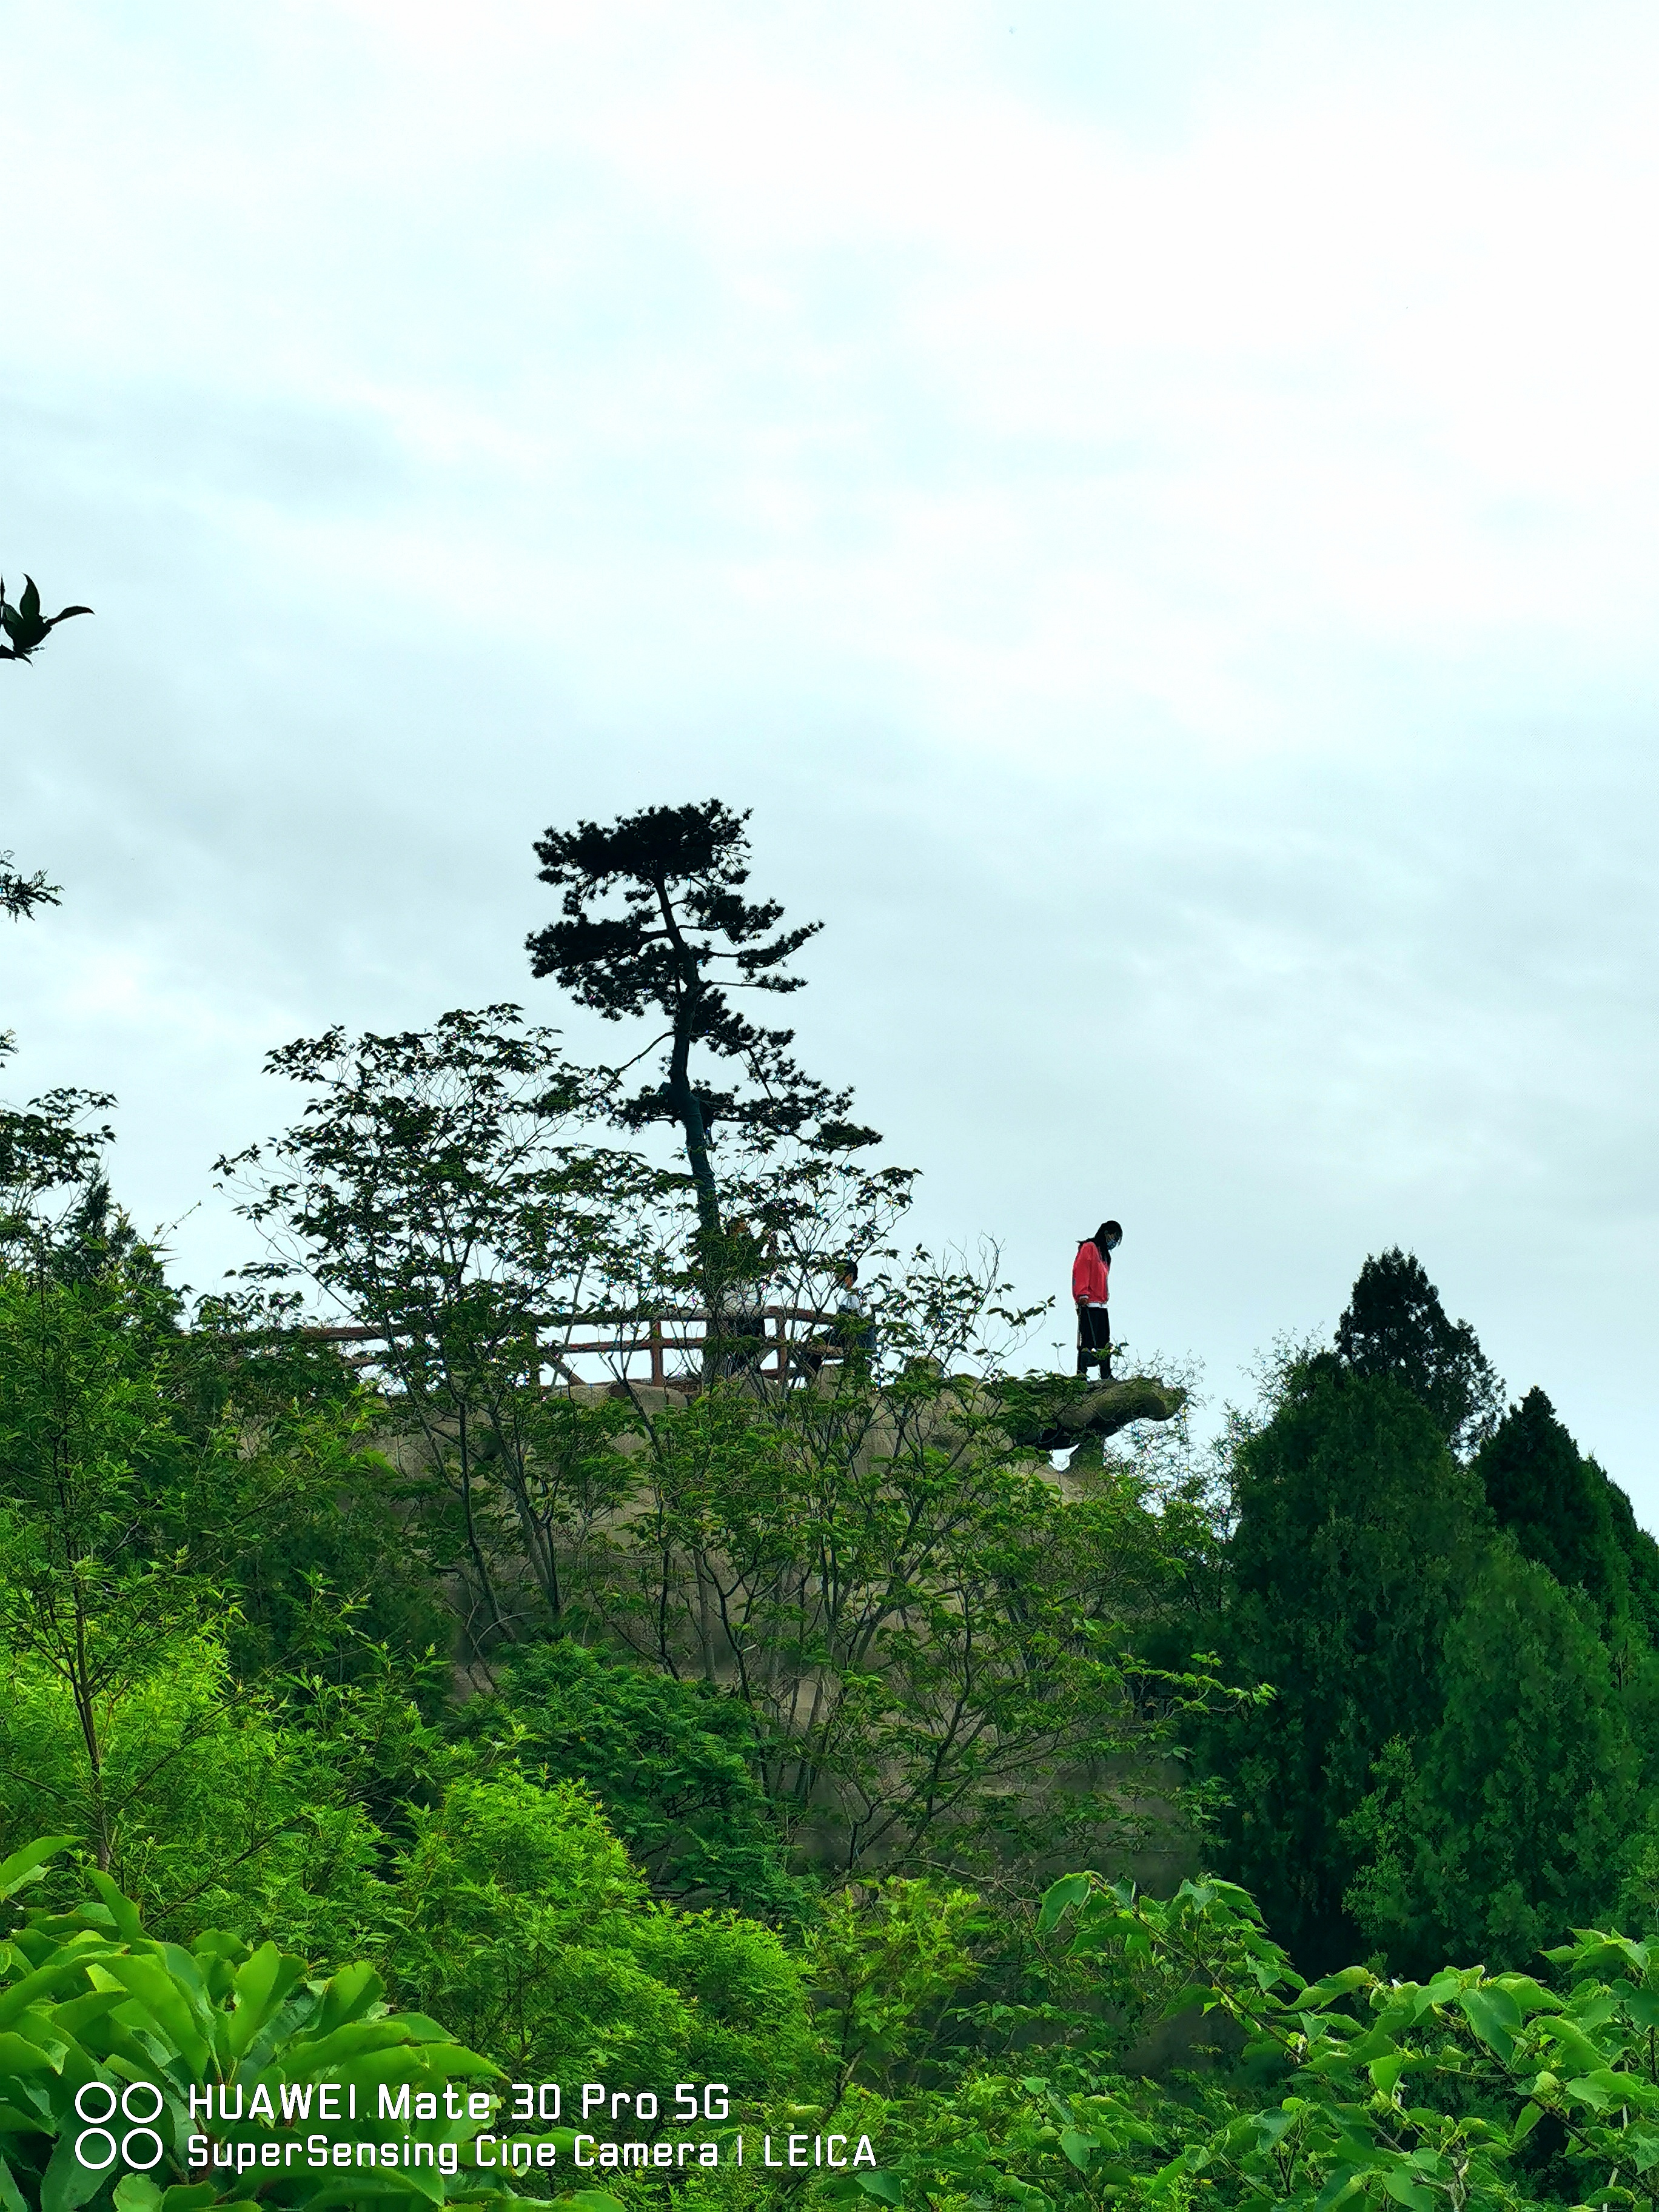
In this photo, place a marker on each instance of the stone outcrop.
(1056, 1417)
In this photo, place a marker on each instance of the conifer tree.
(1553, 1500)
(1357, 1532)
(1395, 1325)
(683, 939)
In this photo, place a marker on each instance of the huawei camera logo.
(98, 2146)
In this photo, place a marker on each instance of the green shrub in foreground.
(87, 1999)
(1466, 2090)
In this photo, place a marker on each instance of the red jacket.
(1088, 1273)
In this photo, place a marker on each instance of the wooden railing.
(684, 1332)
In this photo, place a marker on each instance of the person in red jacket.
(1091, 1272)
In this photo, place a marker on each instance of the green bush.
(522, 1920)
(92, 2008)
(218, 1804)
(672, 1762)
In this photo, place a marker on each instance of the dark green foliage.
(1358, 2090)
(1563, 1512)
(339, 1575)
(678, 871)
(25, 628)
(655, 922)
(1641, 1557)
(1460, 1745)
(1553, 1502)
(1504, 1827)
(21, 895)
(674, 1764)
(96, 1238)
(51, 1151)
(1357, 1531)
(1395, 1325)
(247, 1357)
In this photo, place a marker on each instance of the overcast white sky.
(1153, 507)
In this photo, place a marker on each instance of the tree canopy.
(654, 921)
(1395, 1325)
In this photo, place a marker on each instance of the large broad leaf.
(418, 2063)
(1570, 2040)
(28, 1864)
(147, 1981)
(1493, 2015)
(346, 2191)
(62, 1971)
(18, 2055)
(885, 2188)
(66, 2183)
(122, 1911)
(136, 2192)
(1336, 1985)
(1405, 2190)
(1071, 1889)
(307, 2056)
(261, 1984)
(1079, 2147)
(348, 1995)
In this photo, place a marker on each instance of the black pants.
(1094, 1339)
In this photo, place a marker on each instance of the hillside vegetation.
(1238, 1823)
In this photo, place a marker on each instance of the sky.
(1152, 508)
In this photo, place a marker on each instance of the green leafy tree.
(87, 1595)
(441, 1192)
(51, 1153)
(1395, 1325)
(888, 1960)
(934, 1645)
(221, 1804)
(128, 1536)
(1641, 1557)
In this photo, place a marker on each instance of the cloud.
(1152, 510)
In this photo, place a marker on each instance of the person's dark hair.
(1106, 1230)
